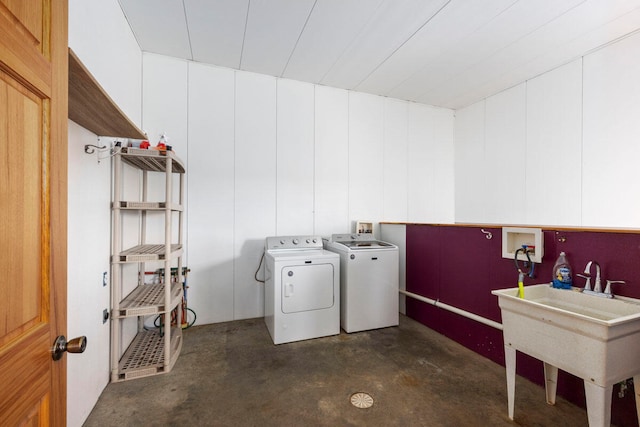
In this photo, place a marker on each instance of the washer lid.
(366, 244)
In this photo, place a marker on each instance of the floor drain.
(361, 400)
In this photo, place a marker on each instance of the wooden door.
(33, 199)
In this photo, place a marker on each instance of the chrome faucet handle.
(597, 287)
(607, 290)
(587, 285)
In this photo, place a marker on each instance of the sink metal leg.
(636, 388)
(550, 382)
(598, 404)
(510, 365)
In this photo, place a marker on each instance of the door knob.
(60, 345)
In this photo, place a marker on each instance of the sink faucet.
(597, 287)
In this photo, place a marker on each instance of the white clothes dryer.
(369, 279)
(302, 289)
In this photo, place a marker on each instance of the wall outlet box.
(513, 238)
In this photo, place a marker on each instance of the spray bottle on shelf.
(562, 274)
(162, 144)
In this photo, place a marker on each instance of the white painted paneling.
(255, 186)
(391, 25)
(554, 139)
(89, 215)
(438, 52)
(505, 152)
(295, 161)
(487, 41)
(470, 165)
(164, 98)
(273, 28)
(451, 24)
(442, 188)
(165, 101)
(160, 26)
(394, 195)
(366, 147)
(102, 39)
(610, 136)
(210, 212)
(216, 30)
(331, 157)
(430, 164)
(420, 163)
(588, 26)
(318, 49)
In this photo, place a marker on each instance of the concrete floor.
(231, 374)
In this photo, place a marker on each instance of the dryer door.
(307, 287)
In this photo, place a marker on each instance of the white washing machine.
(369, 278)
(302, 289)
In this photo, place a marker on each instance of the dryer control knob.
(354, 237)
(295, 241)
(309, 241)
(315, 240)
(282, 242)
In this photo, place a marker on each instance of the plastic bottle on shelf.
(562, 273)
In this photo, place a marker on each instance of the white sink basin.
(594, 338)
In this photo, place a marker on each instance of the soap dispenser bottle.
(562, 274)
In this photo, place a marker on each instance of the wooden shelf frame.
(92, 108)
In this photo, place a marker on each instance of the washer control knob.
(315, 240)
(296, 241)
(282, 242)
(354, 237)
(309, 241)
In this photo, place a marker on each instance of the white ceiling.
(449, 53)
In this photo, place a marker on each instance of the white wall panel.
(164, 98)
(470, 167)
(554, 139)
(610, 143)
(295, 133)
(255, 185)
(210, 211)
(394, 169)
(331, 157)
(101, 37)
(442, 188)
(419, 164)
(366, 145)
(89, 215)
(505, 152)
(430, 164)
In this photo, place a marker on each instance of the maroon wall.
(459, 266)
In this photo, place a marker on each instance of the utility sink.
(596, 339)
